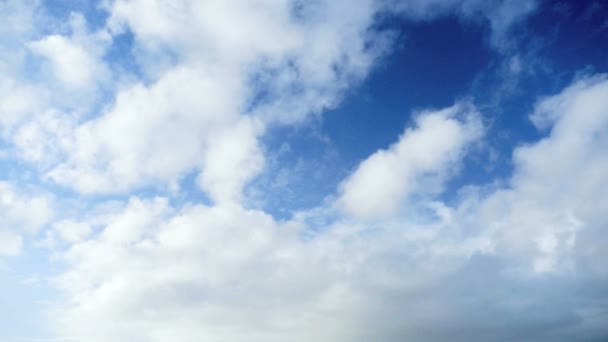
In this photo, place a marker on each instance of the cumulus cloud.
(75, 60)
(199, 79)
(151, 133)
(71, 63)
(18, 98)
(196, 113)
(416, 164)
(49, 81)
(10, 243)
(566, 170)
(21, 213)
(226, 273)
(153, 272)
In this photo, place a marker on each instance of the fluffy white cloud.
(10, 243)
(233, 158)
(152, 272)
(21, 212)
(71, 64)
(151, 133)
(199, 81)
(203, 78)
(229, 274)
(41, 139)
(75, 60)
(199, 112)
(563, 174)
(71, 231)
(48, 81)
(17, 98)
(416, 164)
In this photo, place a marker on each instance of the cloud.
(22, 210)
(227, 273)
(564, 171)
(71, 231)
(49, 81)
(22, 213)
(416, 164)
(198, 81)
(71, 63)
(10, 243)
(153, 272)
(118, 150)
(40, 140)
(198, 109)
(17, 99)
(232, 160)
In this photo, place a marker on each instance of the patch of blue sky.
(188, 191)
(121, 55)
(302, 168)
(18, 171)
(61, 10)
(433, 67)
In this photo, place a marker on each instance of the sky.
(292, 170)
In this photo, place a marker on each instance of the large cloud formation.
(385, 258)
(155, 273)
(152, 272)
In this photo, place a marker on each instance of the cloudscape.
(303, 170)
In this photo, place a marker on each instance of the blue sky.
(285, 170)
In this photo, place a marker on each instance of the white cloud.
(48, 81)
(153, 134)
(22, 213)
(17, 98)
(10, 243)
(41, 139)
(193, 116)
(226, 273)
(18, 102)
(233, 158)
(563, 173)
(71, 231)
(21, 210)
(416, 164)
(152, 272)
(76, 60)
(71, 63)
(200, 80)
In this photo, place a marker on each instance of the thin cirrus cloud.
(399, 250)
